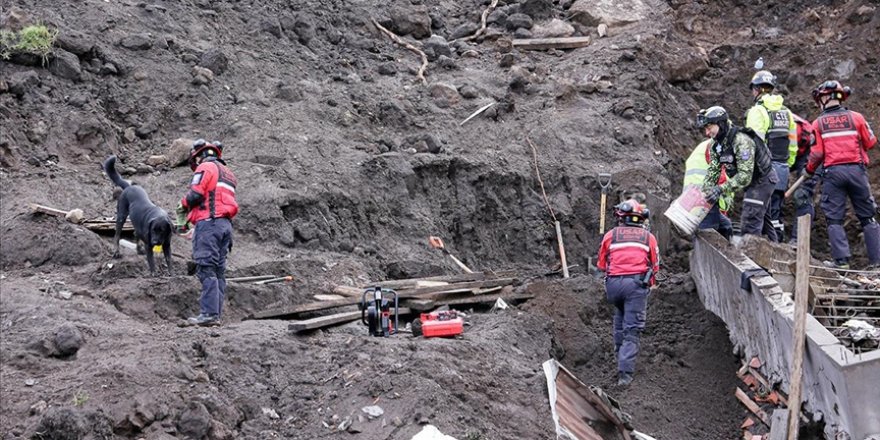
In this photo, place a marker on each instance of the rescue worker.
(803, 194)
(746, 160)
(843, 139)
(630, 259)
(776, 125)
(696, 167)
(209, 205)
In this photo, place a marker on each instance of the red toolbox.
(438, 324)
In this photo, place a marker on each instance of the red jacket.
(211, 193)
(629, 250)
(842, 136)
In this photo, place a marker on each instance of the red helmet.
(200, 148)
(831, 88)
(631, 212)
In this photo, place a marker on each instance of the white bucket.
(688, 210)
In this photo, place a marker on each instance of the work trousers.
(774, 211)
(212, 240)
(756, 201)
(840, 182)
(717, 221)
(630, 300)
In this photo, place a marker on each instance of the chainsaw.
(377, 311)
(438, 324)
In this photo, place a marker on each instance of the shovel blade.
(435, 242)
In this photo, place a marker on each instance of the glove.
(713, 194)
(182, 224)
(801, 197)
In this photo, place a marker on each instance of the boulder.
(685, 67)
(415, 22)
(67, 341)
(76, 43)
(137, 42)
(464, 30)
(519, 21)
(537, 9)
(553, 29)
(271, 26)
(65, 65)
(195, 421)
(445, 95)
(178, 152)
(215, 60)
(615, 12)
(435, 47)
(286, 92)
(304, 30)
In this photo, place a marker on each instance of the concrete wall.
(842, 387)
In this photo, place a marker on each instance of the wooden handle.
(602, 215)
(561, 250)
(797, 183)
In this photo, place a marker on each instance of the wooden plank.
(483, 299)
(802, 292)
(551, 43)
(424, 293)
(354, 292)
(778, 424)
(325, 297)
(752, 406)
(326, 321)
(409, 283)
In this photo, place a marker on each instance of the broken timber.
(752, 406)
(427, 304)
(551, 43)
(421, 293)
(324, 321)
(105, 224)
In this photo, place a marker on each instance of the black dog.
(152, 225)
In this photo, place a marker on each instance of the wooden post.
(801, 291)
(561, 250)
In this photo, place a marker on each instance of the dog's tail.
(110, 168)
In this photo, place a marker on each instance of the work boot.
(838, 263)
(204, 320)
(624, 379)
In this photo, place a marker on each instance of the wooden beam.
(47, 210)
(457, 278)
(551, 43)
(424, 293)
(326, 321)
(752, 406)
(802, 288)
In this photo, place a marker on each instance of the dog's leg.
(151, 260)
(121, 215)
(166, 249)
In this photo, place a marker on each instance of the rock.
(202, 76)
(517, 21)
(288, 93)
(537, 9)
(344, 425)
(214, 60)
(553, 29)
(140, 75)
(108, 69)
(373, 411)
(62, 423)
(387, 68)
(144, 131)
(685, 67)
(519, 79)
(38, 408)
(445, 95)
(435, 47)
(522, 33)
(75, 216)
(397, 421)
(74, 42)
(157, 160)
(14, 19)
(423, 143)
(68, 340)
(437, 20)
(615, 12)
(861, 15)
(844, 70)
(304, 30)
(602, 29)
(195, 421)
(65, 65)
(178, 152)
(137, 42)
(468, 91)
(464, 30)
(507, 60)
(270, 413)
(497, 17)
(271, 26)
(219, 431)
(30, 382)
(129, 135)
(415, 22)
(143, 168)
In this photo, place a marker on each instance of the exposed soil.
(346, 164)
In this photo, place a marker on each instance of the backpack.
(805, 135)
(763, 163)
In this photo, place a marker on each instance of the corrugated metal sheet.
(579, 413)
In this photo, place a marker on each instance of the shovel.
(437, 243)
(605, 183)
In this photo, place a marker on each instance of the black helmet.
(200, 148)
(711, 115)
(763, 78)
(632, 213)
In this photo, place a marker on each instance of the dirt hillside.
(346, 163)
